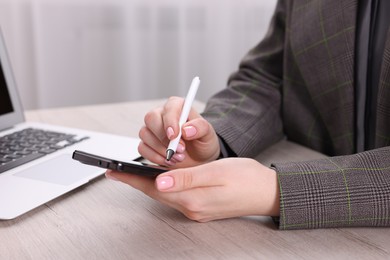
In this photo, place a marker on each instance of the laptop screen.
(11, 110)
(5, 99)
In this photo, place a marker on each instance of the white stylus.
(183, 117)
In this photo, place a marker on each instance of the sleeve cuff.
(225, 150)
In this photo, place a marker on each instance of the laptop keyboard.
(29, 144)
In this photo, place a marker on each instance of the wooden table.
(109, 220)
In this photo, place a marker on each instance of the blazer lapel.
(325, 57)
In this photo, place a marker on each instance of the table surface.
(109, 220)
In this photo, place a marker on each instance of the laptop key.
(47, 151)
(24, 152)
(29, 144)
(13, 156)
(5, 160)
(20, 161)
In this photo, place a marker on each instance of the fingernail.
(178, 157)
(170, 132)
(190, 131)
(109, 176)
(170, 163)
(164, 183)
(180, 148)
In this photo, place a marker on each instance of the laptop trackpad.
(62, 170)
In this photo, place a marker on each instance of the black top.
(372, 25)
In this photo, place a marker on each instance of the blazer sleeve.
(250, 107)
(343, 191)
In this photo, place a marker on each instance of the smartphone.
(132, 167)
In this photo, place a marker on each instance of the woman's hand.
(199, 142)
(221, 189)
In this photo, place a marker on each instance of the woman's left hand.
(220, 189)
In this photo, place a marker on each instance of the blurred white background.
(76, 52)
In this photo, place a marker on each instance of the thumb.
(198, 128)
(189, 178)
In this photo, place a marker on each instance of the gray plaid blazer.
(299, 83)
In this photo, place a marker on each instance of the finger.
(145, 184)
(152, 141)
(193, 114)
(149, 139)
(206, 175)
(171, 115)
(150, 154)
(153, 122)
(203, 141)
(197, 128)
(178, 157)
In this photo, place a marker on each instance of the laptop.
(36, 163)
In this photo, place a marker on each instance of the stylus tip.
(169, 154)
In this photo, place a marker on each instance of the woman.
(319, 78)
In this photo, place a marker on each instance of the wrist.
(272, 194)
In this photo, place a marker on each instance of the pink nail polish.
(170, 132)
(164, 183)
(179, 157)
(190, 131)
(180, 148)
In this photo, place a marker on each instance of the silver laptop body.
(32, 184)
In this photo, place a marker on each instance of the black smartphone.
(133, 167)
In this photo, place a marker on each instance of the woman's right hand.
(199, 142)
